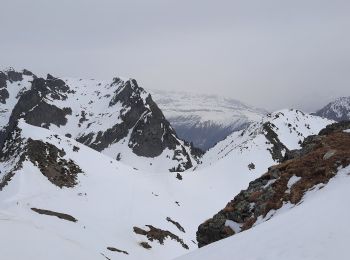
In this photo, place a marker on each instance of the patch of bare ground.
(113, 249)
(177, 224)
(49, 159)
(55, 214)
(158, 234)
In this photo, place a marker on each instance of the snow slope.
(205, 119)
(314, 229)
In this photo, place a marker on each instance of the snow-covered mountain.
(205, 119)
(271, 137)
(294, 211)
(338, 110)
(59, 194)
(117, 117)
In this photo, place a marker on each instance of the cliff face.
(283, 185)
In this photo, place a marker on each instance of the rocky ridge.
(118, 118)
(284, 185)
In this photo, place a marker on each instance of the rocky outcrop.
(48, 158)
(55, 214)
(286, 183)
(278, 148)
(158, 234)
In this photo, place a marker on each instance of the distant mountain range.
(205, 119)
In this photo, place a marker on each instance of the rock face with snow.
(285, 184)
(276, 133)
(205, 119)
(338, 110)
(118, 118)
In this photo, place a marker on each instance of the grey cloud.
(272, 54)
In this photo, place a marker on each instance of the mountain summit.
(117, 117)
(338, 110)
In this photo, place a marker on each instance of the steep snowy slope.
(117, 118)
(205, 119)
(273, 135)
(338, 110)
(315, 229)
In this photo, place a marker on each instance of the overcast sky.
(271, 54)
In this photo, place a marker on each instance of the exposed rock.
(113, 249)
(49, 159)
(317, 162)
(251, 166)
(278, 148)
(35, 110)
(336, 127)
(4, 94)
(177, 224)
(55, 214)
(14, 76)
(145, 245)
(159, 235)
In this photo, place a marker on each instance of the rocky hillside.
(117, 118)
(338, 110)
(205, 119)
(283, 186)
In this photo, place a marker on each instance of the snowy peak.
(205, 119)
(283, 186)
(118, 118)
(338, 110)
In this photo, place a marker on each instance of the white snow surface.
(316, 229)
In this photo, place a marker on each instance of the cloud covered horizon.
(270, 54)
